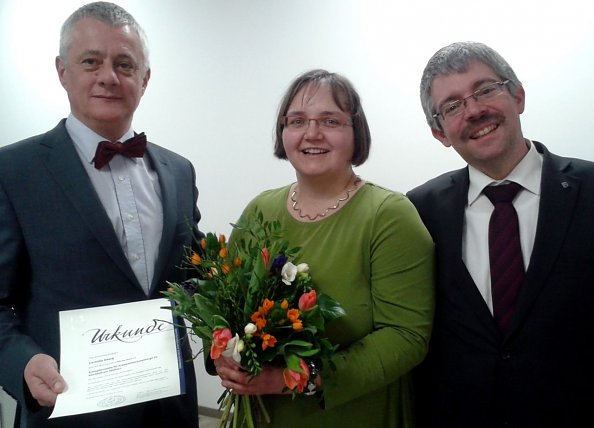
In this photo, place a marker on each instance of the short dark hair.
(345, 96)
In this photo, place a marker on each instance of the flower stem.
(263, 409)
(249, 418)
(226, 406)
(236, 412)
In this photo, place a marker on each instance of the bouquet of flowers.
(254, 301)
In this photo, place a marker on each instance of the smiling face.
(487, 136)
(316, 152)
(104, 76)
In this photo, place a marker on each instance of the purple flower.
(279, 261)
(189, 286)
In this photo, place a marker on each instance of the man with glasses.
(513, 340)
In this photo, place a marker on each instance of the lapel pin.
(564, 184)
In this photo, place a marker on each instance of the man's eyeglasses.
(482, 95)
(296, 123)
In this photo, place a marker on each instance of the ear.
(61, 69)
(145, 80)
(520, 98)
(439, 135)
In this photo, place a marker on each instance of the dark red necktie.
(505, 252)
(132, 148)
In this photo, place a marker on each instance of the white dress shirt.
(129, 190)
(475, 236)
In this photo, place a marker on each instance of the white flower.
(302, 268)
(234, 348)
(250, 328)
(288, 272)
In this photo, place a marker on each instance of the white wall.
(219, 68)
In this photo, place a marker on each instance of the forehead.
(458, 85)
(314, 96)
(90, 34)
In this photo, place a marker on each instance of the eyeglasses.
(297, 123)
(481, 95)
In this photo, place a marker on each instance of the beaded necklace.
(339, 201)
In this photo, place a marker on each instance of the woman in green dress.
(366, 248)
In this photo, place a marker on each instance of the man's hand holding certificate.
(114, 356)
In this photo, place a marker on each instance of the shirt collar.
(527, 173)
(85, 139)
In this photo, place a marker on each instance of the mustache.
(480, 123)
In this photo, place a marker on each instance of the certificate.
(115, 356)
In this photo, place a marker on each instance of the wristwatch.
(311, 388)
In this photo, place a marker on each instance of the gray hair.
(109, 13)
(455, 58)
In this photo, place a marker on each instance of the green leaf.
(299, 343)
(206, 308)
(314, 317)
(202, 332)
(306, 353)
(292, 362)
(219, 322)
(329, 307)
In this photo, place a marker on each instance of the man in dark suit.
(78, 230)
(535, 369)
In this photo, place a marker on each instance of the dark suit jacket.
(59, 251)
(541, 373)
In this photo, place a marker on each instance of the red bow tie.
(132, 148)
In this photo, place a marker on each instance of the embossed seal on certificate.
(112, 401)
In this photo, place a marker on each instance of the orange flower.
(284, 304)
(268, 341)
(223, 252)
(293, 315)
(298, 325)
(220, 338)
(203, 243)
(259, 320)
(222, 240)
(267, 306)
(226, 269)
(195, 260)
(237, 262)
(295, 379)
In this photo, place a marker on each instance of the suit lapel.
(453, 199)
(169, 204)
(559, 191)
(64, 164)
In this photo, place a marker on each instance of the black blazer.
(58, 251)
(540, 373)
